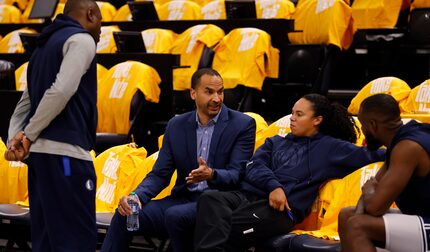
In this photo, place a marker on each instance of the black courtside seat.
(308, 243)
(15, 225)
(276, 244)
(299, 243)
(103, 221)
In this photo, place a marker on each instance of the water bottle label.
(134, 207)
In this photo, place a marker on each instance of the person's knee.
(174, 218)
(209, 198)
(118, 221)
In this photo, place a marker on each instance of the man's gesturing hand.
(203, 172)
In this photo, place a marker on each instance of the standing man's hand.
(124, 208)
(278, 200)
(203, 172)
(18, 147)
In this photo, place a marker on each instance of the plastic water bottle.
(133, 219)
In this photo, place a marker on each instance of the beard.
(372, 143)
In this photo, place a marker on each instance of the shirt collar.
(212, 121)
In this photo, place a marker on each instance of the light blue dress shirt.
(204, 137)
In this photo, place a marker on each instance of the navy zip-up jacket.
(300, 165)
(77, 123)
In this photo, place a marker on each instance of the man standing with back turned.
(54, 124)
(404, 179)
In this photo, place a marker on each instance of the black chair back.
(7, 75)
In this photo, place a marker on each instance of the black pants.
(171, 217)
(62, 193)
(229, 221)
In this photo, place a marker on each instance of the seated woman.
(282, 179)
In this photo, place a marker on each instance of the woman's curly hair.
(337, 122)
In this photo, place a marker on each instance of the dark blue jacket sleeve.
(351, 157)
(259, 171)
(161, 174)
(229, 177)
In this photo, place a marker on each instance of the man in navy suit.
(208, 147)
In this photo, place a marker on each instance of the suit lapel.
(216, 135)
(191, 138)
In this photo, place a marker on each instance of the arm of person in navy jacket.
(259, 171)
(161, 173)
(350, 157)
(229, 177)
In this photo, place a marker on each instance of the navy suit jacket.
(231, 146)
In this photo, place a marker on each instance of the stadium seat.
(393, 86)
(29, 41)
(21, 77)
(279, 243)
(101, 73)
(21, 4)
(13, 180)
(190, 45)
(15, 226)
(107, 9)
(274, 9)
(303, 69)
(7, 75)
(122, 98)
(26, 13)
(213, 10)
(9, 14)
(419, 22)
(195, 47)
(14, 217)
(420, 4)
(120, 170)
(371, 14)
(323, 22)
(114, 168)
(280, 127)
(308, 243)
(123, 14)
(182, 102)
(179, 10)
(261, 126)
(58, 10)
(11, 43)
(244, 58)
(158, 40)
(7, 2)
(417, 105)
(106, 43)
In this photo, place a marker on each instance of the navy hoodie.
(300, 165)
(77, 123)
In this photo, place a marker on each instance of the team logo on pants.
(89, 185)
